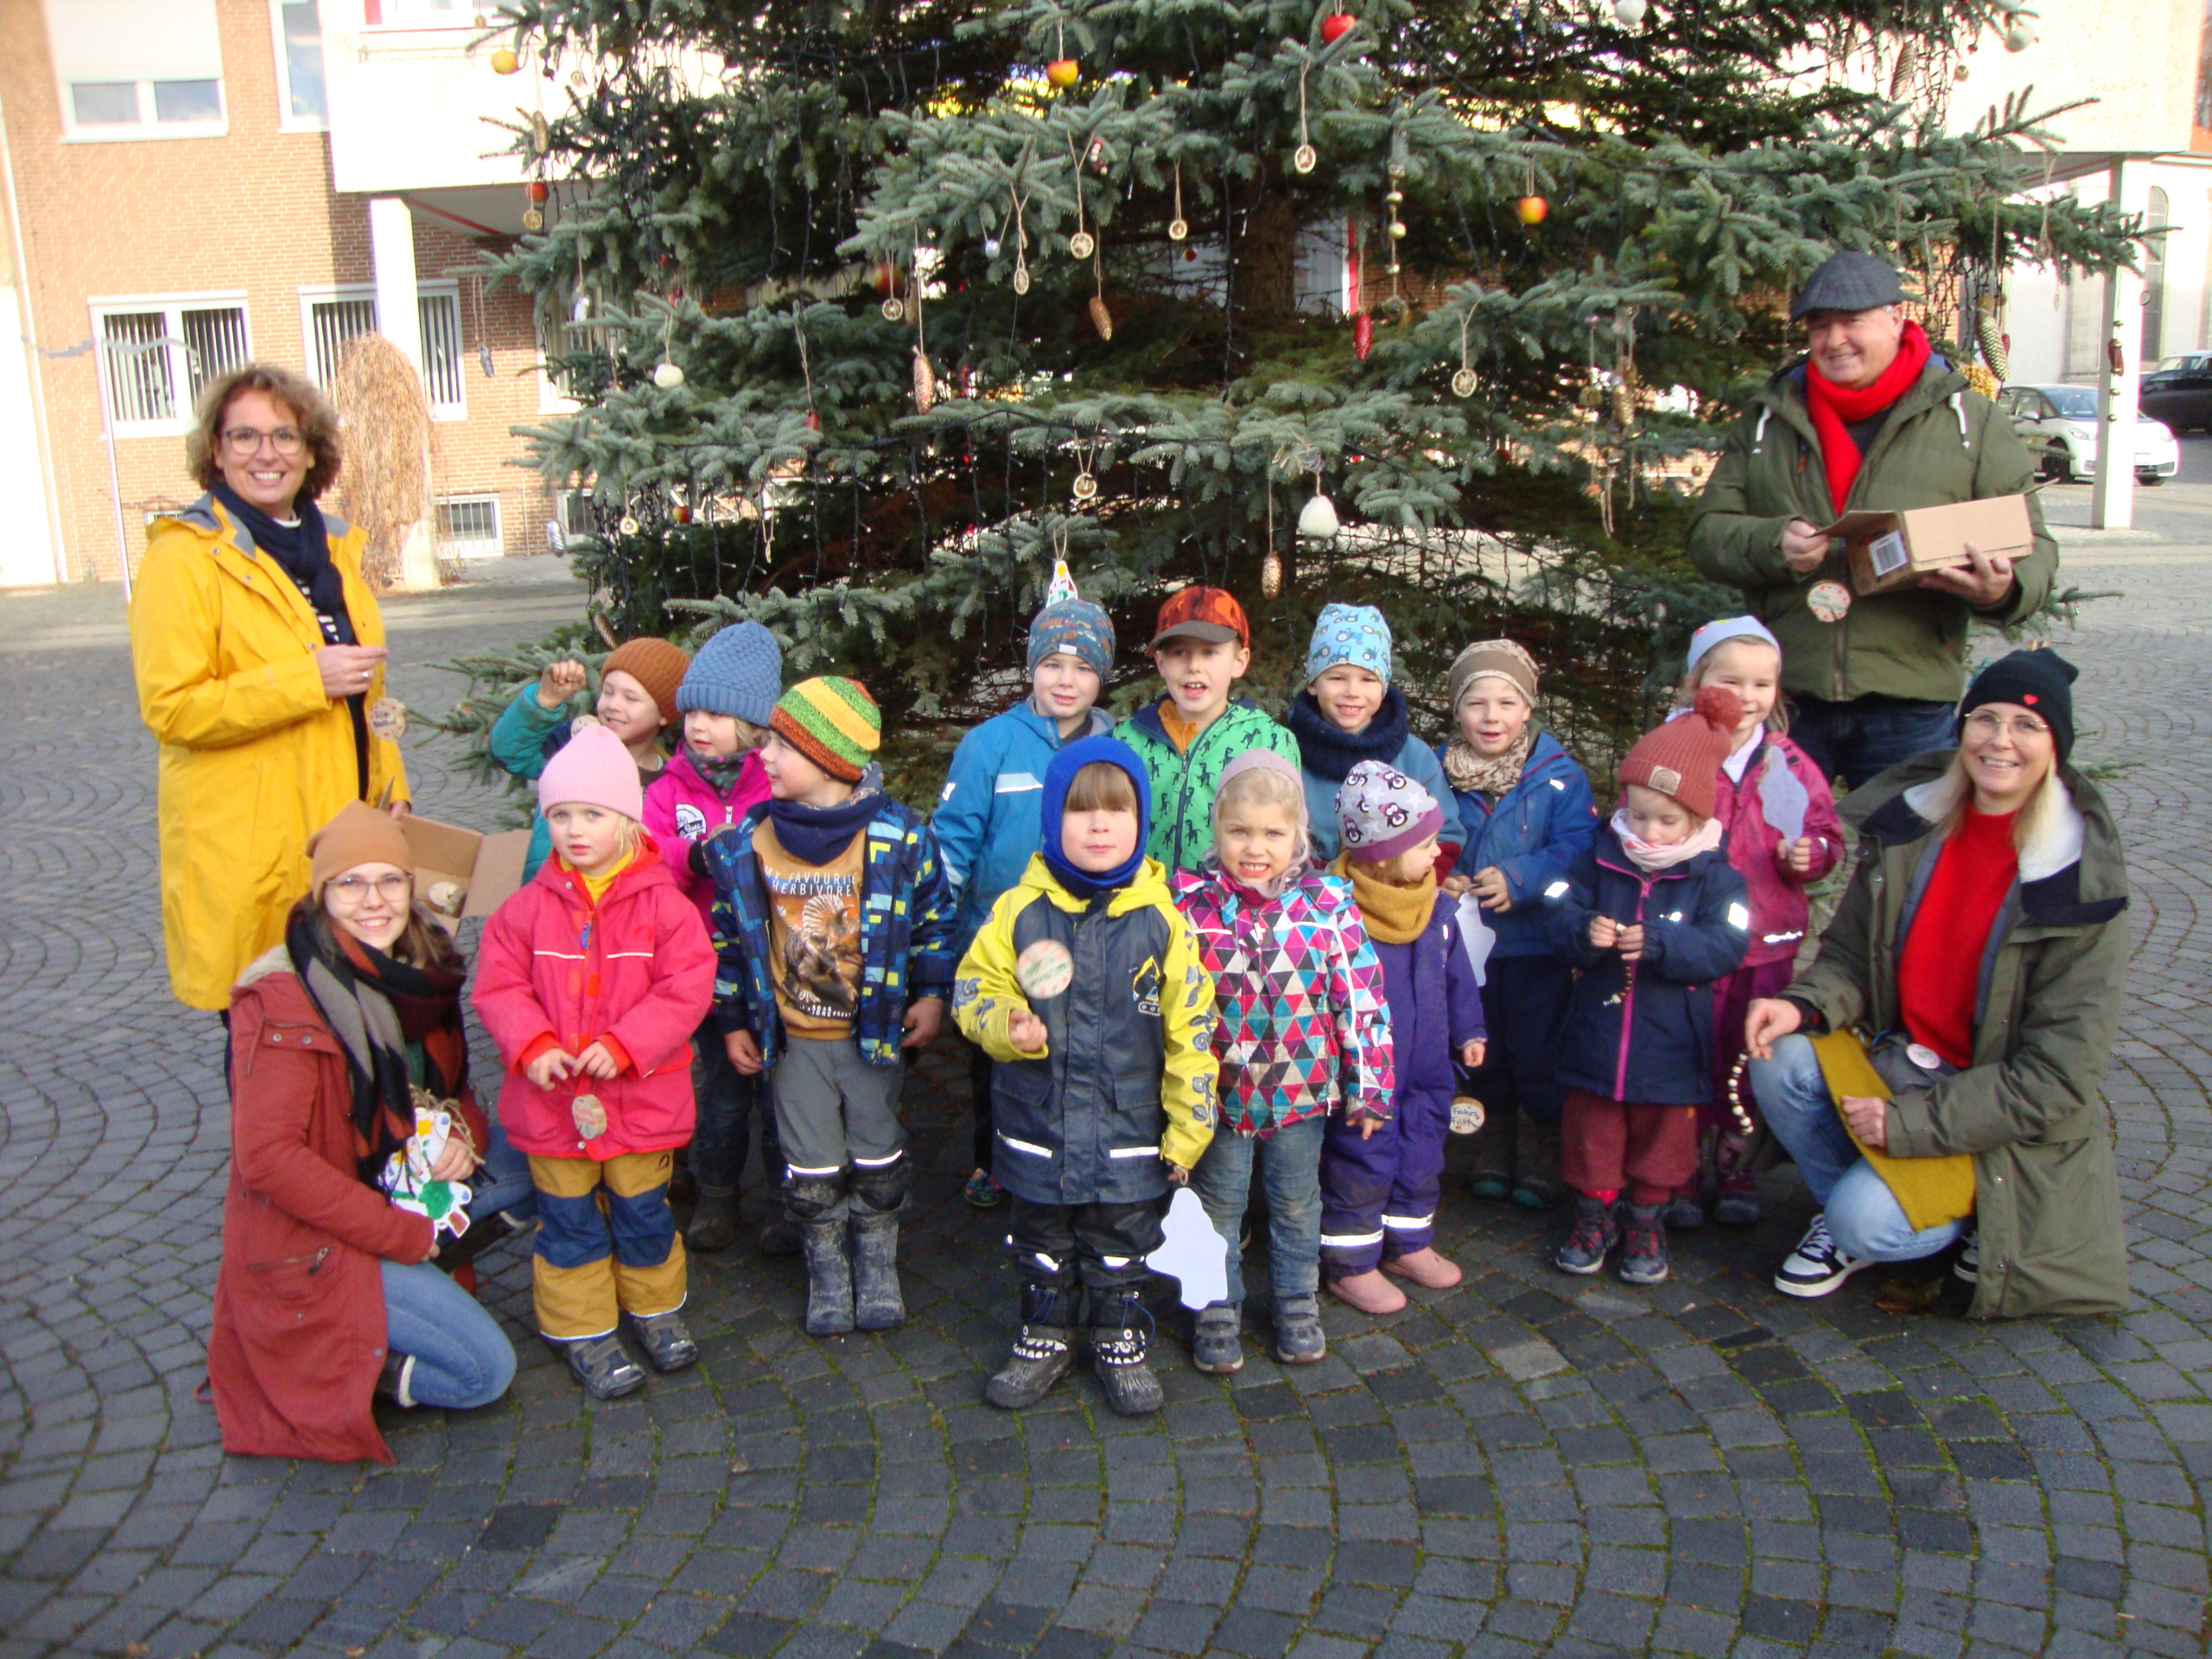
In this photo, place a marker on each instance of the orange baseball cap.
(1199, 612)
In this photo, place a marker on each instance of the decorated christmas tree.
(875, 310)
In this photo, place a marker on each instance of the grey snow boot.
(829, 1277)
(1121, 1337)
(1042, 1353)
(877, 1304)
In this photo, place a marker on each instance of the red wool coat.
(298, 1336)
(636, 969)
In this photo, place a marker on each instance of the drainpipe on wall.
(57, 554)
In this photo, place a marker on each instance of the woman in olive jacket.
(2013, 863)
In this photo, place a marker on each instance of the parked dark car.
(2179, 391)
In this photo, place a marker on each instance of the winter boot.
(1218, 1348)
(714, 1220)
(1042, 1353)
(603, 1370)
(395, 1381)
(1643, 1246)
(829, 1276)
(1594, 1235)
(779, 1237)
(1493, 1173)
(1537, 1185)
(1121, 1337)
(1682, 1213)
(877, 1305)
(1299, 1339)
(666, 1340)
(1369, 1292)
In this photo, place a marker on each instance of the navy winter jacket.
(1646, 1038)
(1535, 833)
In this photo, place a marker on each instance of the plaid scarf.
(376, 1004)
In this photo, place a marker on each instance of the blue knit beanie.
(740, 671)
(1353, 634)
(1078, 626)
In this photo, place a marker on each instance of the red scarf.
(1833, 406)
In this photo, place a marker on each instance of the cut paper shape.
(1192, 1253)
(407, 1181)
(590, 1117)
(1475, 935)
(1782, 799)
(1044, 971)
(1062, 589)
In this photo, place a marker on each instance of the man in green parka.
(1871, 417)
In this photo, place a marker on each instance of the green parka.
(1942, 443)
(2053, 976)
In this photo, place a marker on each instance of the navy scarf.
(1328, 751)
(819, 835)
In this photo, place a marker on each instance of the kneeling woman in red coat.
(328, 1295)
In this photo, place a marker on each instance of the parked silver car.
(2059, 425)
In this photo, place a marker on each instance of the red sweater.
(1941, 967)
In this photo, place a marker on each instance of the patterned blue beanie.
(1078, 626)
(740, 673)
(1355, 634)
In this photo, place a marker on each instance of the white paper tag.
(1475, 935)
(1887, 553)
(1192, 1253)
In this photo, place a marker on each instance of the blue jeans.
(1863, 1218)
(502, 1181)
(1860, 739)
(1290, 1166)
(728, 1102)
(463, 1359)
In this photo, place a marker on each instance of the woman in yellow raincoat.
(259, 655)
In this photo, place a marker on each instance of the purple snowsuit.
(1379, 1196)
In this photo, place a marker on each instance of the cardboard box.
(459, 873)
(1891, 550)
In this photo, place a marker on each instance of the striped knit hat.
(833, 723)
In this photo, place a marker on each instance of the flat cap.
(1847, 282)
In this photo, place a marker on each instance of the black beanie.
(2041, 681)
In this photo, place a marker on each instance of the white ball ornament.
(1317, 520)
(668, 377)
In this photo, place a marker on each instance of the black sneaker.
(1968, 1268)
(1216, 1348)
(604, 1370)
(1593, 1238)
(666, 1340)
(1299, 1339)
(1682, 1214)
(1643, 1245)
(1818, 1265)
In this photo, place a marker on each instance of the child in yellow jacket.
(1086, 989)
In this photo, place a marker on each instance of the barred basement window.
(156, 356)
(468, 527)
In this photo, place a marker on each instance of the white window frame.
(497, 543)
(172, 306)
(286, 121)
(446, 289)
(62, 59)
(473, 17)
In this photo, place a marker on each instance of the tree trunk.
(1264, 255)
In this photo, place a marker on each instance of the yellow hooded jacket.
(254, 757)
(1129, 1075)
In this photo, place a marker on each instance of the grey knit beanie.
(740, 673)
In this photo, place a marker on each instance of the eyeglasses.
(1986, 723)
(245, 443)
(353, 891)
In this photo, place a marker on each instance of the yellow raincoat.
(255, 758)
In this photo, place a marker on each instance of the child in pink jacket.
(1765, 774)
(716, 778)
(591, 980)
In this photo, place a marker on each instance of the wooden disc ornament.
(1044, 971)
(1463, 383)
(533, 220)
(894, 309)
(1085, 486)
(387, 718)
(628, 526)
(1021, 279)
(590, 1117)
(582, 722)
(1830, 601)
(1305, 158)
(1467, 1115)
(1082, 244)
(1178, 229)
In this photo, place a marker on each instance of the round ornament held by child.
(1044, 971)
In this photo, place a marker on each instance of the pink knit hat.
(592, 769)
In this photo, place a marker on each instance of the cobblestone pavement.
(1527, 1463)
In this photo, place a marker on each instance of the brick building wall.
(249, 212)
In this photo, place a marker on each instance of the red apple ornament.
(1335, 26)
(1532, 210)
(1062, 72)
